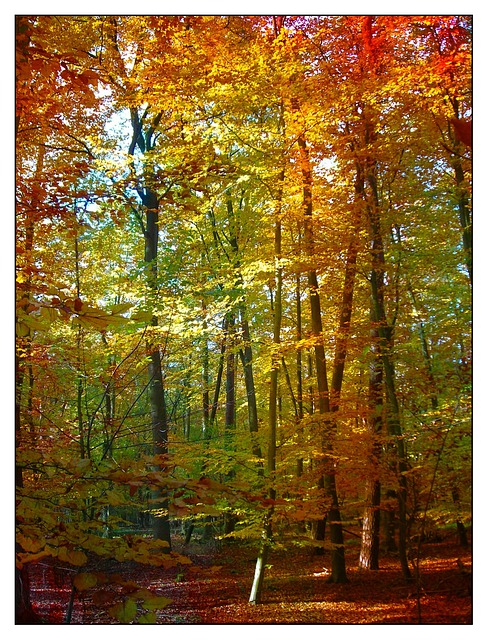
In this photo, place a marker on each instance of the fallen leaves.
(295, 591)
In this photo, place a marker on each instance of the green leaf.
(157, 602)
(142, 316)
(21, 329)
(121, 308)
(85, 581)
(124, 612)
(114, 498)
(147, 618)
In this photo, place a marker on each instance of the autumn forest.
(243, 319)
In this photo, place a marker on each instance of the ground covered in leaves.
(215, 589)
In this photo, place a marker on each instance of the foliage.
(219, 118)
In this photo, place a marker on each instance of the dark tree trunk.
(338, 573)
(299, 371)
(463, 200)
(230, 375)
(246, 359)
(389, 528)
(245, 353)
(230, 408)
(159, 420)
(385, 341)
(161, 526)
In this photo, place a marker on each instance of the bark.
(218, 382)
(338, 573)
(266, 535)
(159, 423)
(257, 584)
(370, 52)
(230, 408)
(299, 371)
(385, 334)
(159, 420)
(230, 392)
(245, 353)
(205, 384)
(463, 200)
(370, 540)
(344, 321)
(246, 359)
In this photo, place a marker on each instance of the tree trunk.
(161, 527)
(338, 574)
(205, 383)
(246, 359)
(245, 353)
(463, 200)
(159, 420)
(262, 559)
(266, 536)
(385, 332)
(299, 370)
(230, 408)
(370, 540)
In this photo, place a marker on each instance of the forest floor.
(215, 589)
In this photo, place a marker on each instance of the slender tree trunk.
(205, 381)
(246, 359)
(218, 382)
(370, 541)
(338, 573)
(385, 333)
(344, 321)
(266, 535)
(230, 375)
(299, 372)
(230, 408)
(24, 613)
(463, 201)
(245, 353)
(338, 368)
(159, 419)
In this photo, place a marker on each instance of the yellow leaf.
(76, 558)
(29, 544)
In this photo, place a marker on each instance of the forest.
(243, 304)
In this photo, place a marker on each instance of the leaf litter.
(215, 588)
